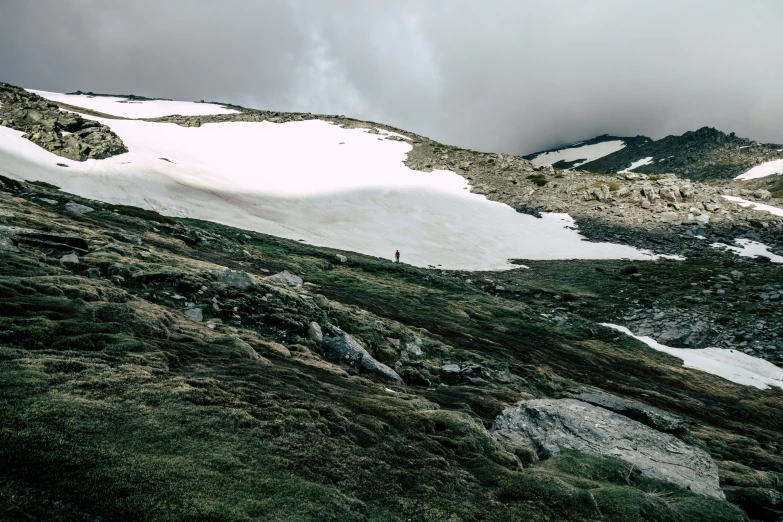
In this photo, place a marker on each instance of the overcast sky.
(507, 76)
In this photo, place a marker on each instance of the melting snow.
(585, 152)
(756, 206)
(763, 170)
(731, 365)
(135, 109)
(639, 163)
(311, 180)
(748, 248)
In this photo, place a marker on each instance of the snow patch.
(639, 163)
(749, 248)
(311, 180)
(731, 365)
(135, 108)
(587, 153)
(763, 170)
(755, 206)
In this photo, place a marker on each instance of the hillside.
(173, 350)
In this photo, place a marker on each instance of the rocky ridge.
(639, 202)
(702, 155)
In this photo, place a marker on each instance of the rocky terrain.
(62, 133)
(158, 368)
(703, 155)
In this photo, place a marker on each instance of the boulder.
(414, 348)
(341, 258)
(287, 278)
(194, 313)
(449, 372)
(235, 279)
(762, 194)
(77, 208)
(314, 332)
(346, 349)
(653, 417)
(127, 238)
(543, 426)
(703, 218)
(72, 259)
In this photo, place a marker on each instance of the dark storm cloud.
(513, 76)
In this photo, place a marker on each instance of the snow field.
(586, 153)
(638, 163)
(749, 248)
(763, 170)
(731, 365)
(135, 109)
(312, 181)
(755, 206)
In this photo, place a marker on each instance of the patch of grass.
(538, 179)
(149, 215)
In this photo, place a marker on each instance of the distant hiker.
(397, 257)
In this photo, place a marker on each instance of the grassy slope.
(114, 406)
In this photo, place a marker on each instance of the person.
(397, 257)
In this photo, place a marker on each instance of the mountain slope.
(702, 155)
(116, 405)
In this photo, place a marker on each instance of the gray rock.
(546, 425)
(653, 417)
(449, 372)
(287, 278)
(127, 238)
(70, 258)
(314, 332)
(77, 208)
(414, 348)
(677, 332)
(236, 279)
(762, 194)
(346, 349)
(703, 218)
(194, 313)
(341, 258)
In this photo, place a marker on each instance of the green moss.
(538, 179)
(560, 499)
(630, 505)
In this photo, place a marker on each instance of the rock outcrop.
(346, 350)
(63, 133)
(543, 426)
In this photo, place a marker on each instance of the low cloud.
(496, 75)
